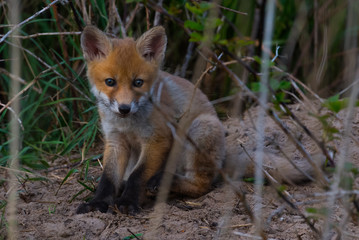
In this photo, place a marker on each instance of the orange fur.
(137, 108)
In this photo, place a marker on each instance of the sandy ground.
(220, 214)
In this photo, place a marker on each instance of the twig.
(77, 19)
(300, 83)
(17, 95)
(309, 133)
(260, 123)
(239, 225)
(279, 210)
(343, 156)
(231, 10)
(132, 16)
(239, 60)
(134, 235)
(11, 110)
(306, 130)
(51, 68)
(293, 164)
(157, 20)
(163, 11)
(246, 235)
(62, 41)
(308, 104)
(15, 54)
(37, 58)
(187, 58)
(223, 99)
(17, 78)
(84, 13)
(148, 18)
(111, 16)
(15, 27)
(25, 172)
(324, 58)
(276, 53)
(61, 167)
(337, 194)
(240, 194)
(45, 34)
(198, 82)
(276, 119)
(119, 20)
(283, 194)
(348, 88)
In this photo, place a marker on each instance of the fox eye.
(110, 82)
(137, 83)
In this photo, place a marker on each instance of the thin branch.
(157, 20)
(84, 13)
(17, 78)
(51, 68)
(132, 16)
(239, 60)
(13, 112)
(77, 19)
(232, 10)
(152, 4)
(15, 145)
(276, 119)
(37, 58)
(187, 59)
(119, 20)
(351, 41)
(23, 90)
(309, 133)
(324, 58)
(111, 16)
(17, 95)
(260, 124)
(246, 235)
(45, 34)
(25, 172)
(283, 194)
(15, 27)
(148, 18)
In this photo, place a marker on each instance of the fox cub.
(137, 103)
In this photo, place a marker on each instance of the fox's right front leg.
(115, 161)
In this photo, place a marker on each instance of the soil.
(220, 214)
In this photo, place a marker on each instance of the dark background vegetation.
(313, 48)
(313, 52)
(58, 112)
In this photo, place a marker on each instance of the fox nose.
(124, 109)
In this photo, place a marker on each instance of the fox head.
(122, 71)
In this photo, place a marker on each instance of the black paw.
(127, 206)
(154, 183)
(92, 206)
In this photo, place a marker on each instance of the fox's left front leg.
(152, 159)
(116, 157)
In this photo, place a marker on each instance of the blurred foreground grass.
(314, 44)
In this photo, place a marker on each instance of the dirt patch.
(220, 214)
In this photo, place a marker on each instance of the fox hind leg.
(202, 160)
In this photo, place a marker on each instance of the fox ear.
(152, 44)
(95, 44)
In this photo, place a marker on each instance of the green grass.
(58, 112)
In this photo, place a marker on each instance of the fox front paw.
(154, 184)
(92, 206)
(127, 206)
